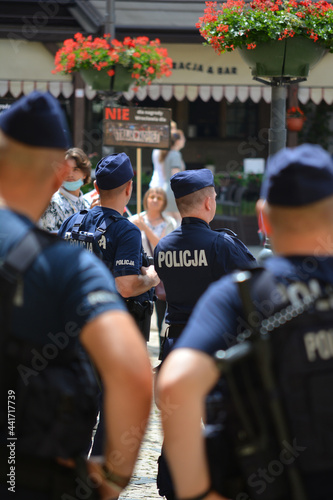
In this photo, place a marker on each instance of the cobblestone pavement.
(143, 483)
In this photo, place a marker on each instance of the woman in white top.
(158, 177)
(154, 224)
(173, 163)
(69, 198)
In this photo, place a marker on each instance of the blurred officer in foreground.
(64, 307)
(190, 258)
(275, 414)
(116, 240)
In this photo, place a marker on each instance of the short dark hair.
(82, 162)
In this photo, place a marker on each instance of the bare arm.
(140, 223)
(175, 170)
(183, 382)
(135, 284)
(119, 353)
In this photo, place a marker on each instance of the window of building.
(205, 117)
(241, 119)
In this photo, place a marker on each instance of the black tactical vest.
(275, 418)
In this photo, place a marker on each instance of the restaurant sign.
(137, 127)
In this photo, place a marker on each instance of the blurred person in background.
(173, 163)
(158, 177)
(69, 198)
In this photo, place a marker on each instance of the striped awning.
(17, 87)
(229, 92)
(166, 92)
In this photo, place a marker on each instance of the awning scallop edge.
(167, 92)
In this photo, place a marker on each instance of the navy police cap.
(189, 181)
(113, 171)
(37, 120)
(298, 176)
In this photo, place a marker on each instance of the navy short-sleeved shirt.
(64, 288)
(219, 311)
(190, 258)
(120, 246)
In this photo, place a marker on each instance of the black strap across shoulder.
(78, 223)
(17, 262)
(22, 255)
(78, 234)
(225, 230)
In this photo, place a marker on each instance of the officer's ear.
(128, 189)
(263, 220)
(96, 187)
(208, 203)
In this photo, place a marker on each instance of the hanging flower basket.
(101, 80)
(295, 124)
(275, 37)
(295, 119)
(99, 59)
(290, 57)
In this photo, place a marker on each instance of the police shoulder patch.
(102, 297)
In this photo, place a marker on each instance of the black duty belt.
(174, 331)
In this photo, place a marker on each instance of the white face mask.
(72, 186)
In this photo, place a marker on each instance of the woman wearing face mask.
(69, 198)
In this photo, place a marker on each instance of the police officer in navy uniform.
(293, 312)
(193, 256)
(65, 308)
(117, 241)
(190, 258)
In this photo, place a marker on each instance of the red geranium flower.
(144, 59)
(237, 23)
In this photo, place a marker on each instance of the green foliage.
(252, 181)
(245, 24)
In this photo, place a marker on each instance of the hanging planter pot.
(290, 57)
(295, 124)
(100, 80)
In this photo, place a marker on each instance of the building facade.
(224, 113)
